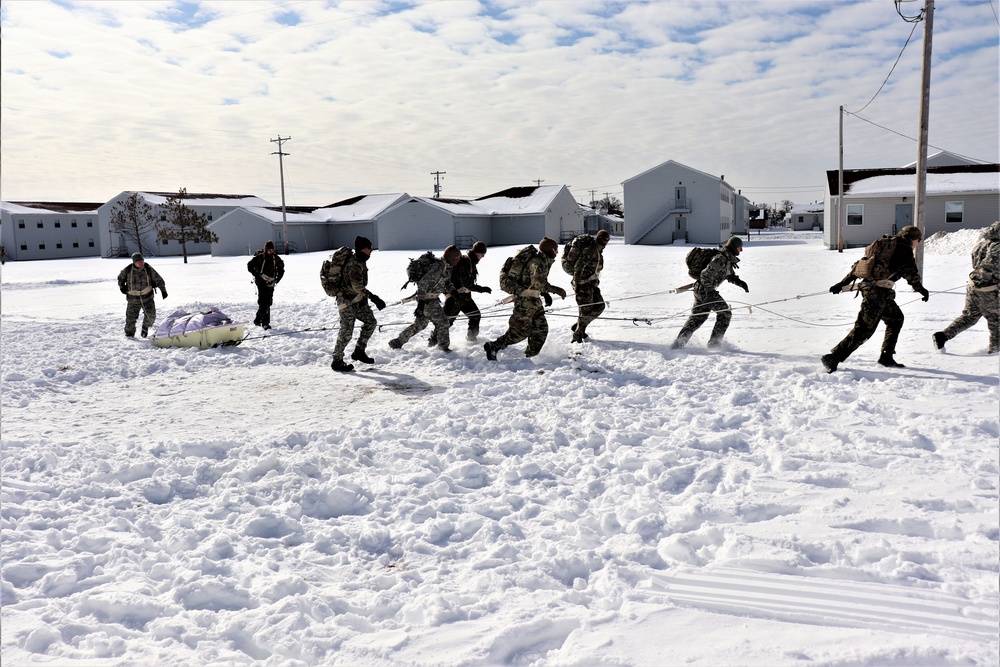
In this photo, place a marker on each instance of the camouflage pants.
(705, 302)
(877, 305)
(463, 303)
(354, 311)
(148, 307)
(591, 304)
(978, 304)
(527, 321)
(428, 311)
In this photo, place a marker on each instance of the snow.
(613, 503)
(937, 184)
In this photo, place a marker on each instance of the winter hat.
(733, 243)
(269, 246)
(452, 255)
(360, 243)
(479, 246)
(603, 237)
(549, 247)
(910, 233)
(137, 257)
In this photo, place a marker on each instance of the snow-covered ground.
(614, 503)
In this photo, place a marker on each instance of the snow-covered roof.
(800, 209)
(48, 207)
(206, 199)
(365, 207)
(519, 201)
(905, 184)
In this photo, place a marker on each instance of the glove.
(560, 291)
(379, 303)
(124, 290)
(547, 298)
(837, 289)
(925, 293)
(742, 284)
(486, 290)
(163, 291)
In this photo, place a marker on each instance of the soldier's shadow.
(399, 383)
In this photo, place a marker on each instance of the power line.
(906, 136)
(893, 66)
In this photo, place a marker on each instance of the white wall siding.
(414, 225)
(49, 241)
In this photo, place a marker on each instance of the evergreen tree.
(184, 224)
(133, 219)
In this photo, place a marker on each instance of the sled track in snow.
(799, 599)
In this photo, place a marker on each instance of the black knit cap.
(137, 257)
(360, 243)
(733, 243)
(479, 247)
(548, 246)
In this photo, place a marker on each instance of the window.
(59, 245)
(91, 244)
(166, 241)
(954, 211)
(20, 224)
(58, 225)
(802, 218)
(76, 244)
(855, 214)
(73, 224)
(41, 246)
(24, 246)
(90, 223)
(40, 224)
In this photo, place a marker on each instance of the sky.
(104, 97)
(616, 502)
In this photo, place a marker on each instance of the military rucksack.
(699, 258)
(331, 274)
(418, 268)
(512, 275)
(875, 264)
(573, 250)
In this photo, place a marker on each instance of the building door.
(682, 228)
(904, 216)
(680, 197)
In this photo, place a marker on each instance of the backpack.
(698, 258)
(573, 250)
(331, 274)
(875, 264)
(512, 278)
(418, 268)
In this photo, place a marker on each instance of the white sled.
(204, 329)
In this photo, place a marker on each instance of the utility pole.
(281, 171)
(437, 183)
(840, 188)
(593, 199)
(925, 107)
(538, 182)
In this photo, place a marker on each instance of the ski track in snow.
(247, 506)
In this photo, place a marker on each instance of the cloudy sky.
(101, 97)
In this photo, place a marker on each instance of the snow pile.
(959, 242)
(617, 502)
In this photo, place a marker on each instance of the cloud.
(100, 97)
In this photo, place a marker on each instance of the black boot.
(359, 355)
(940, 340)
(491, 351)
(887, 361)
(339, 366)
(830, 362)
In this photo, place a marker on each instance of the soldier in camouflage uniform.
(528, 319)
(137, 282)
(878, 303)
(981, 296)
(463, 284)
(707, 297)
(429, 310)
(586, 284)
(353, 305)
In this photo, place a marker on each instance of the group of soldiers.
(455, 276)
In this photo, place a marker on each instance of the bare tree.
(183, 224)
(133, 219)
(609, 205)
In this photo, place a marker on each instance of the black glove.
(547, 298)
(163, 291)
(124, 290)
(560, 291)
(925, 293)
(740, 283)
(837, 289)
(379, 303)
(484, 289)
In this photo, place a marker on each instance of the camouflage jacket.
(589, 265)
(538, 272)
(902, 266)
(139, 282)
(721, 268)
(986, 258)
(435, 281)
(355, 278)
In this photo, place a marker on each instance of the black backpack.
(699, 258)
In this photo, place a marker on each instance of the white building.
(673, 202)
(880, 201)
(214, 206)
(49, 230)
(805, 217)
